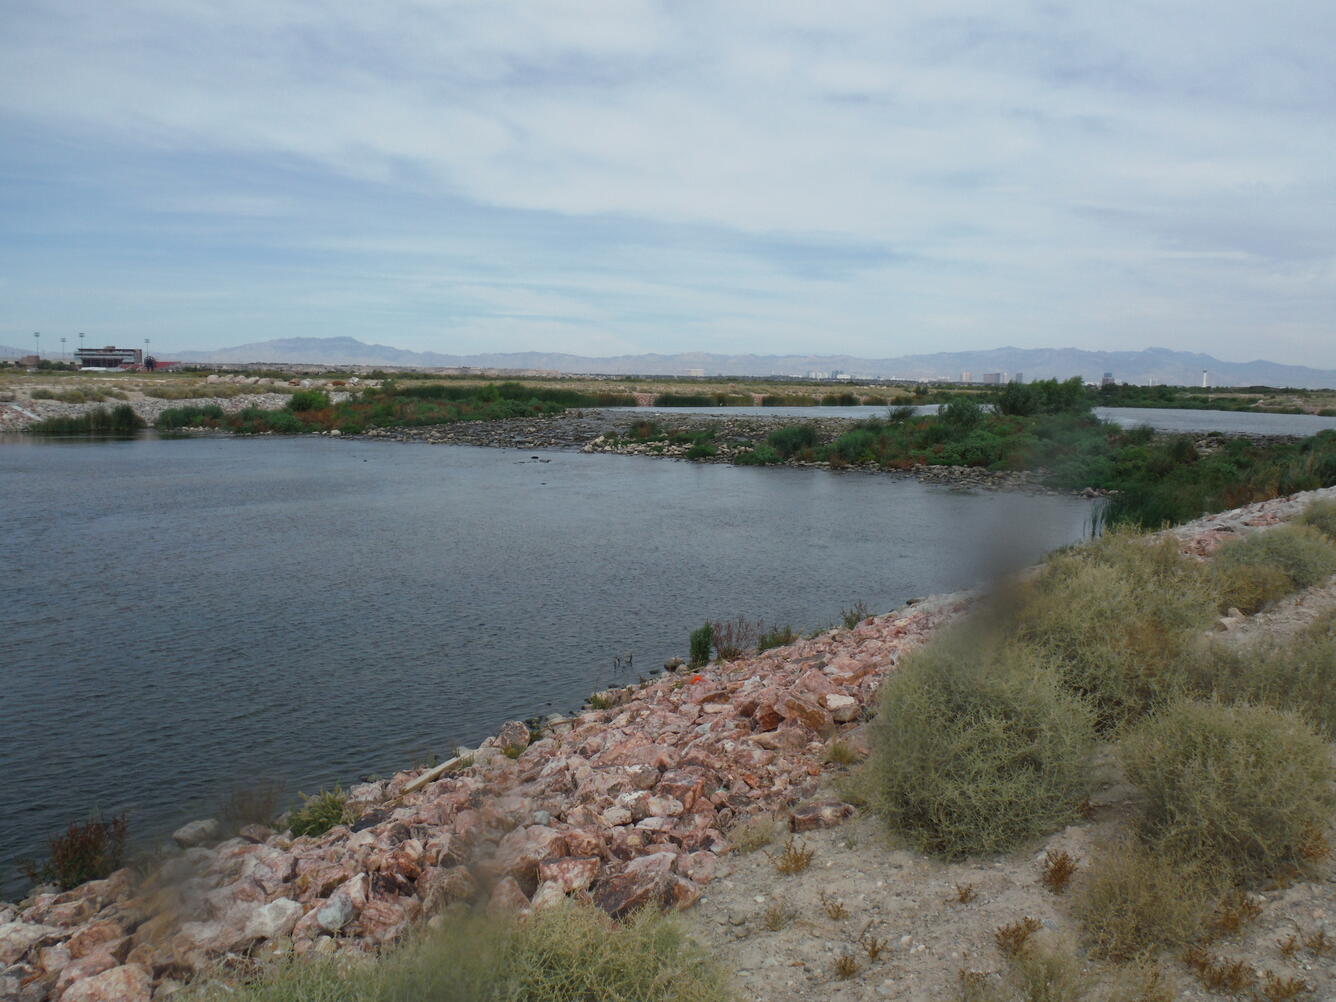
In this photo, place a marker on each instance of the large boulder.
(17, 938)
(127, 983)
(196, 833)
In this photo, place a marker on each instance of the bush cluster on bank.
(984, 737)
(555, 955)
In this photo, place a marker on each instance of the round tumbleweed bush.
(1117, 617)
(1321, 515)
(977, 747)
(1303, 553)
(1246, 789)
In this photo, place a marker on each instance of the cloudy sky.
(615, 176)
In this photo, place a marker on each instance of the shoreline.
(628, 804)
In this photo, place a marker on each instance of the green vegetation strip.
(562, 954)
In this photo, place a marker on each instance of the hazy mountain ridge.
(1161, 365)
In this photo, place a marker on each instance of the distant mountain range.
(1158, 365)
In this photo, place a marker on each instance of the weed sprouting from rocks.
(793, 858)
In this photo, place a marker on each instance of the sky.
(615, 176)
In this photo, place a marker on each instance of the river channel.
(187, 615)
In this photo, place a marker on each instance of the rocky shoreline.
(606, 432)
(627, 804)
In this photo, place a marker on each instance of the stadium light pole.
(37, 342)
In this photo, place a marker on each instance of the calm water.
(183, 615)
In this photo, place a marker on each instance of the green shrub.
(560, 954)
(1321, 515)
(977, 747)
(701, 642)
(321, 812)
(1246, 789)
(702, 450)
(776, 636)
(1297, 673)
(83, 852)
(1120, 617)
(307, 400)
(759, 455)
(1136, 901)
(1249, 589)
(1301, 552)
(121, 420)
(793, 438)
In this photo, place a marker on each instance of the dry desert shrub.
(753, 833)
(977, 747)
(1117, 617)
(1135, 901)
(1237, 788)
(1305, 555)
(555, 955)
(1296, 674)
(1057, 870)
(1321, 515)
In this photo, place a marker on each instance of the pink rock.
(570, 873)
(681, 892)
(82, 969)
(793, 706)
(684, 785)
(507, 898)
(513, 736)
(583, 842)
(127, 983)
(439, 887)
(17, 938)
(53, 958)
(824, 814)
(698, 867)
(842, 708)
(94, 935)
(547, 896)
(384, 921)
(520, 852)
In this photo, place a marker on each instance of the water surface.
(183, 615)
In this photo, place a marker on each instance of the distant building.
(1018, 378)
(1107, 380)
(967, 376)
(994, 378)
(696, 372)
(109, 357)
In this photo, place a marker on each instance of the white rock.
(17, 938)
(273, 920)
(196, 833)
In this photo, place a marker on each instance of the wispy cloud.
(865, 177)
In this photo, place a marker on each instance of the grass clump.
(555, 955)
(1119, 617)
(1240, 788)
(1301, 553)
(83, 852)
(977, 747)
(795, 857)
(702, 640)
(1320, 515)
(1136, 901)
(120, 420)
(321, 812)
(775, 636)
(752, 834)
(1298, 673)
